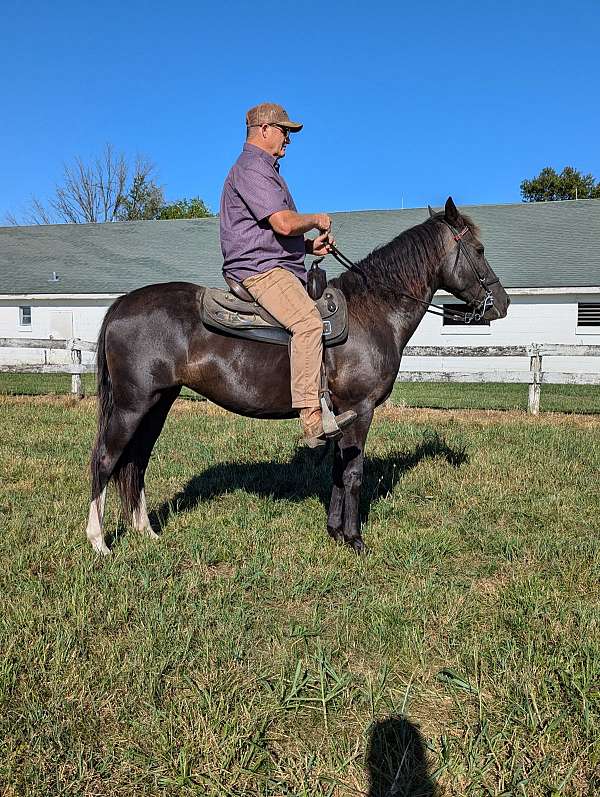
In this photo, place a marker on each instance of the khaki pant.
(283, 296)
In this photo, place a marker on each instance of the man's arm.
(288, 222)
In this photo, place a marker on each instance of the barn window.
(25, 316)
(588, 314)
(447, 321)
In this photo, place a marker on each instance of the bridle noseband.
(479, 309)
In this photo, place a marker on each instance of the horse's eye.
(480, 250)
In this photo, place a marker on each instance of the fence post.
(535, 366)
(76, 381)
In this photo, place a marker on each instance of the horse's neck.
(405, 317)
(393, 307)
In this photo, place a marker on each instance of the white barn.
(57, 281)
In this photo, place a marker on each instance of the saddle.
(236, 313)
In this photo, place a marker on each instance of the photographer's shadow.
(397, 761)
(304, 476)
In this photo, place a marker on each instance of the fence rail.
(535, 377)
(74, 345)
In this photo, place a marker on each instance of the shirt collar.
(252, 149)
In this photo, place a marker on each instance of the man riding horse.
(158, 338)
(263, 245)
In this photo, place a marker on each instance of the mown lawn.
(246, 654)
(554, 398)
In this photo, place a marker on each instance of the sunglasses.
(285, 130)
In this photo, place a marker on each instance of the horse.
(152, 343)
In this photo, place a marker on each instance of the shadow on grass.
(396, 761)
(304, 476)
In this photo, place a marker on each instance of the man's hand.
(322, 244)
(322, 222)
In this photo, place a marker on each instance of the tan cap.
(269, 113)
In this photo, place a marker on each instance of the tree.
(549, 186)
(144, 200)
(106, 189)
(185, 209)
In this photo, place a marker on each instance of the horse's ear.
(431, 212)
(451, 213)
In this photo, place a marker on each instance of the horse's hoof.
(100, 547)
(358, 546)
(150, 533)
(336, 534)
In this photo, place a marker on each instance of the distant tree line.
(105, 189)
(112, 188)
(550, 186)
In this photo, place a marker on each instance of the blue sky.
(402, 103)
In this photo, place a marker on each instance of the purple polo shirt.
(254, 190)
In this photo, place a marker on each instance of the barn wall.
(531, 319)
(50, 318)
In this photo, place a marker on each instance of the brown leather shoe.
(314, 435)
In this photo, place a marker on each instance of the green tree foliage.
(144, 200)
(184, 209)
(549, 186)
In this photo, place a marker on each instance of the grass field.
(554, 398)
(245, 654)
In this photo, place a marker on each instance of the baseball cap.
(269, 113)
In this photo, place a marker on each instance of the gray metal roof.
(546, 244)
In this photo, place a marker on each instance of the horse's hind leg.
(115, 432)
(94, 531)
(141, 521)
(134, 461)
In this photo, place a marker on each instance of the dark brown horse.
(152, 342)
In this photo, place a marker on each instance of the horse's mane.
(404, 265)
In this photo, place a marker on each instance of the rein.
(480, 309)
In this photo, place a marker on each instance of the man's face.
(276, 139)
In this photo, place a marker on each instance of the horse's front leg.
(352, 447)
(335, 517)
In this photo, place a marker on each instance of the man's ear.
(451, 214)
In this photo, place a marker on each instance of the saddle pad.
(222, 311)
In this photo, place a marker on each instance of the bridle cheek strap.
(487, 302)
(461, 234)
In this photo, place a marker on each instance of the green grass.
(554, 398)
(246, 654)
(54, 385)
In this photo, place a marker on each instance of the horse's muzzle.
(498, 310)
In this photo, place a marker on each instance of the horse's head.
(465, 271)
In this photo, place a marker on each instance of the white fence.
(535, 377)
(74, 345)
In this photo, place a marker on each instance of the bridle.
(479, 309)
(485, 304)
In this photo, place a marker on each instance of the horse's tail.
(105, 402)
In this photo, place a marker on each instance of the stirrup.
(331, 428)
